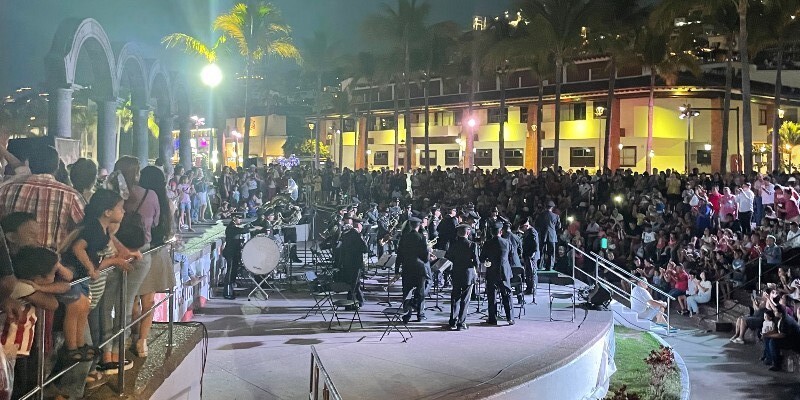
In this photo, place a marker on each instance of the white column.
(107, 134)
(140, 136)
(60, 113)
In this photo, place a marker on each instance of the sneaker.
(112, 368)
(738, 341)
(511, 322)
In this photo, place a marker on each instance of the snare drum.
(261, 255)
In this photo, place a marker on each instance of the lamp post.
(687, 113)
(311, 127)
(211, 76)
(469, 159)
(599, 111)
(502, 74)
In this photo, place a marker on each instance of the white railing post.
(171, 301)
(759, 273)
(40, 376)
(717, 301)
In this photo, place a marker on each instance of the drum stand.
(259, 288)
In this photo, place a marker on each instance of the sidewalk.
(719, 369)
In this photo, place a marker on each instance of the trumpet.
(432, 243)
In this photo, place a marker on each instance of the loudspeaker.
(600, 297)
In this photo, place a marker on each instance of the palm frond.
(190, 45)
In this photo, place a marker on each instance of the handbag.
(131, 230)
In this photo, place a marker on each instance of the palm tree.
(256, 30)
(342, 105)
(318, 57)
(401, 30)
(432, 57)
(789, 134)
(783, 27)
(563, 21)
(364, 71)
(613, 37)
(665, 57)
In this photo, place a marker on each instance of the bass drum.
(261, 255)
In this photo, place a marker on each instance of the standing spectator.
(83, 176)
(744, 203)
(185, 204)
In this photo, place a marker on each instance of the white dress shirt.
(745, 200)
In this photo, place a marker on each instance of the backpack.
(131, 230)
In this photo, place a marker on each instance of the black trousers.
(745, 218)
(234, 262)
(459, 299)
(531, 275)
(548, 255)
(492, 287)
(419, 284)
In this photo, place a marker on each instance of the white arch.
(62, 59)
(130, 55)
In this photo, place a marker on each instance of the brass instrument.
(360, 215)
(432, 243)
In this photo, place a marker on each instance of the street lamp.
(707, 147)
(599, 111)
(688, 113)
(236, 135)
(211, 76)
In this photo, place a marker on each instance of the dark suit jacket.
(412, 255)
(464, 256)
(530, 244)
(350, 255)
(496, 250)
(548, 224)
(515, 246)
(447, 232)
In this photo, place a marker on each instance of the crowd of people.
(679, 233)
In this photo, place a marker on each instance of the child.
(769, 326)
(83, 256)
(35, 269)
(186, 190)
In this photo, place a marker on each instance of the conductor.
(498, 274)
(350, 259)
(464, 256)
(548, 224)
(233, 254)
(413, 257)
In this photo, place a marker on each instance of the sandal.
(89, 352)
(75, 355)
(94, 380)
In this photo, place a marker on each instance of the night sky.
(27, 26)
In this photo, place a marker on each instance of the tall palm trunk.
(539, 116)
(427, 122)
(651, 104)
(469, 155)
(747, 127)
(612, 83)
(318, 126)
(407, 114)
(340, 152)
(396, 131)
(501, 141)
(557, 132)
(726, 110)
(366, 128)
(245, 152)
(776, 125)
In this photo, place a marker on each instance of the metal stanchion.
(121, 338)
(40, 356)
(717, 301)
(171, 304)
(759, 273)
(669, 326)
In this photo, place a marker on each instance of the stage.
(260, 349)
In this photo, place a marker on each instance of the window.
(548, 157)
(431, 154)
(581, 157)
(381, 158)
(385, 123)
(452, 157)
(703, 157)
(483, 157)
(349, 125)
(514, 157)
(762, 116)
(790, 114)
(573, 112)
(627, 156)
(457, 118)
(523, 115)
(495, 115)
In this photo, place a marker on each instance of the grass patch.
(632, 347)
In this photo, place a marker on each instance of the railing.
(320, 376)
(624, 275)
(38, 391)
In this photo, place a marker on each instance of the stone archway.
(180, 100)
(160, 92)
(131, 70)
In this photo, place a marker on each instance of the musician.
(372, 215)
(548, 224)
(414, 266)
(233, 254)
(384, 232)
(488, 223)
(530, 256)
(498, 274)
(394, 207)
(464, 256)
(515, 248)
(350, 259)
(404, 216)
(265, 221)
(446, 230)
(472, 219)
(290, 232)
(433, 223)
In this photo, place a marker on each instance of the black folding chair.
(517, 274)
(394, 316)
(337, 306)
(321, 296)
(566, 281)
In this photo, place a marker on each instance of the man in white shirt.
(792, 237)
(643, 304)
(744, 200)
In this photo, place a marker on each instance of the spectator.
(785, 336)
(703, 293)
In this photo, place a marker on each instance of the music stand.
(477, 292)
(388, 264)
(441, 265)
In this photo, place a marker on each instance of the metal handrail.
(318, 371)
(42, 383)
(611, 264)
